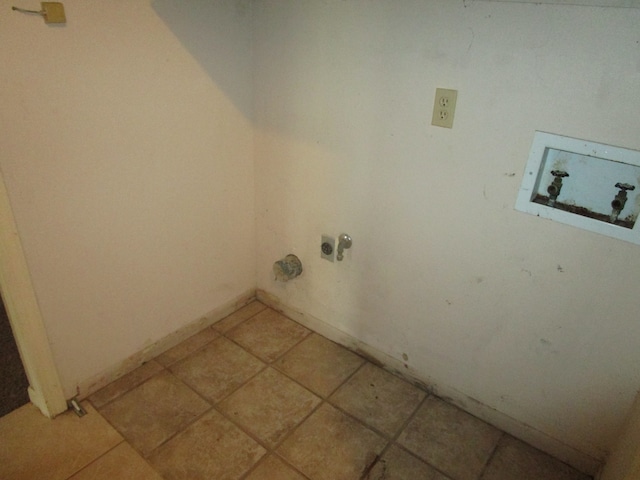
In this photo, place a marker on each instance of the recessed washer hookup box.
(585, 184)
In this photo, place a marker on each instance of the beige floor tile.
(330, 445)
(378, 398)
(121, 463)
(268, 335)
(217, 369)
(451, 440)
(211, 448)
(515, 460)
(190, 345)
(269, 406)
(272, 468)
(396, 464)
(151, 413)
(239, 316)
(34, 447)
(319, 364)
(124, 384)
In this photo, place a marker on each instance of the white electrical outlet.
(444, 107)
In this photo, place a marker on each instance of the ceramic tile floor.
(260, 397)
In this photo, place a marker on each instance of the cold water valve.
(554, 188)
(620, 200)
(287, 268)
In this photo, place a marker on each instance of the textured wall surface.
(530, 317)
(129, 170)
(160, 156)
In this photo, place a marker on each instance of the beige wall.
(129, 170)
(532, 318)
(128, 146)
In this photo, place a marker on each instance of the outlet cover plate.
(444, 107)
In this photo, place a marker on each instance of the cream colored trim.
(45, 390)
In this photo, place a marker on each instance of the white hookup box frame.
(592, 175)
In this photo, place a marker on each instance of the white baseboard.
(579, 460)
(95, 383)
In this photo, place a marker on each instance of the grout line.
(350, 376)
(172, 436)
(291, 432)
(224, 333)
(243, 429)
(311, 332)
(168, 369)
(218, 335)
(403, 428)
(268, 362)
(214, 405)
(317, 394)
(269, 450)
(393, 439)
(241, 322)
(287, 463)
(194, 420)
(98, 457)
(222, 399)
(380, 433)
(133, 387)
(490, 457)
(296, 427)
(325, 400)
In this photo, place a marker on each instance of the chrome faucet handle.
(344, 241)
(625, 186)
(620, 200)
(555, 186)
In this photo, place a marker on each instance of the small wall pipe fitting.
(620, 200)
(554, 188)
(618, 203)
(287, 268)
(344, 241)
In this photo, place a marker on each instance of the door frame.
(21, 303)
